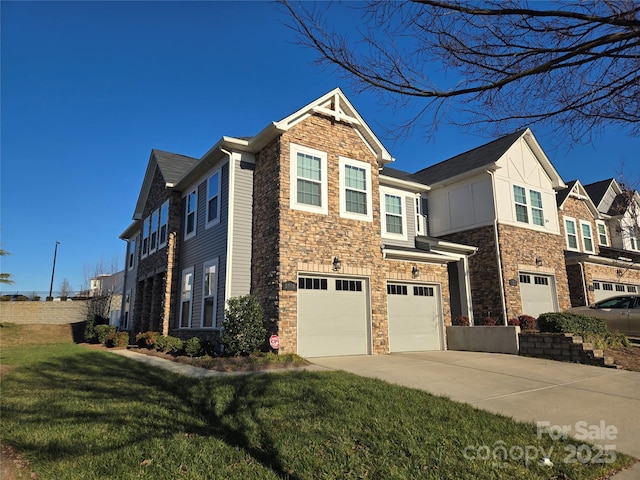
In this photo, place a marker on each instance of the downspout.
(499, 260)
(467, 283)
(584, 284)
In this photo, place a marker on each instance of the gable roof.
(172, 167)
(575, 189)
(485, 156)
(400, 179)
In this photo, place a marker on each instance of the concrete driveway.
(582, 398)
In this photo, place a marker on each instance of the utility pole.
(53, 271)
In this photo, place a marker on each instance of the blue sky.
(89, 88)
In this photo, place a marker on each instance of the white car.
(621, 313)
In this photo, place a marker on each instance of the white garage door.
(538, 294)
(603, 289)
(333, 316)
(415, 317)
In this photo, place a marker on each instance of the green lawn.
(81, 414)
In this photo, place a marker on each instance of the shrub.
(118, 339)
(488, 321)
(243, 328)
(147, 339)
(194, 347)
(90, 334)
(527, 322)
(169, 344)
(514, 322)
(103, 332)
(571, 323)
(461, 321)
(606, 340)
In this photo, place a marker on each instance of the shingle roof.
(465, 162)
(399, 174)
(562, 195)
(597, 190)
(172, 165)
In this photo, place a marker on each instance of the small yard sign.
(274, 341)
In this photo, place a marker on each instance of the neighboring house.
(501, 197)
(603, 254)
(305, 216)
(110, 288)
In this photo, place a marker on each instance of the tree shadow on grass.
(98, 391)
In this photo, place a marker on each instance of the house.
(501, 197)
(600, 222)
(307, 216)
(106, 289)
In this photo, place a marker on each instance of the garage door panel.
(414, 317)
(537, 293)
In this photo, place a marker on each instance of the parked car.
(622, 313)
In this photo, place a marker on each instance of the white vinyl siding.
(191, 207)
(571, 233)
(587, 237)
(209, 294)
(308, 179)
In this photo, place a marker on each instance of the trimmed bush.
(514, 322)
(243, 329)
(147, 339)
(117, 339)
(488, 321)
(527, 322)
(461, 321)
(564, 322)
(169, 344)
(103, 332)
(194, 347)
(90, 335)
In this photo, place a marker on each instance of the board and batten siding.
(206, 245)
(239, 246)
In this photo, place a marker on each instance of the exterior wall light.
(337, 264)
(538, 262)
(415, 271)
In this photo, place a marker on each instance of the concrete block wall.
(51, 313)
(566, 347)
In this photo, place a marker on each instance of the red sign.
(274, 341)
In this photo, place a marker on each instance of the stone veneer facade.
(287, 242)
(519, 248)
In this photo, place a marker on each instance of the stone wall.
(44, 312)
(565, 347)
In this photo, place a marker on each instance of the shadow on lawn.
(98, 387)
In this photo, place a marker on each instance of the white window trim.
(582, 237)
(145, 251)
(195, 214)
(606, 233)
(324, 199)
(155, 229)
(365, 217)
(160, 225)
(214, 325)
(566, 233)
(515, 203)
(532, 208)
(185, 272)
(215, 221)
(383, 217)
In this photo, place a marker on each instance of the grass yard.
(75, 413)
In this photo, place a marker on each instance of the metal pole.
(53, 270)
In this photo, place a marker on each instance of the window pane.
(394, 224)
(393, 204)
(520, 194)
(309, 167)
(212, 213)
(356, 202)
(209, 280)
(355, 177)
(521, 214)
(308, 192)
(537, 217)
(571, 227)
(207, 321)
(536, 199)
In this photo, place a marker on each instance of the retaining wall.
(44, 312)
(564, 347)
(493, 339)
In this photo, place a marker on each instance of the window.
(418, 216)
(213, 199)
(520, 196)
(349, 285)
(632, 289)
(132, 253)
(603, 238)
(127, 306)
(190, 214)
(355, 190)
(525, 278)
(394, 220)
(154, 231)
(186, 298)
(634, 238)
(587, 237)
(145, 236)
(423, 291)
(620, 288)
(608, 287)
(393, 289)
(308, 179)
(209, 287)
(572, 233)
(307, 283)
(164, 218)
(536, 208)
(540, 280)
